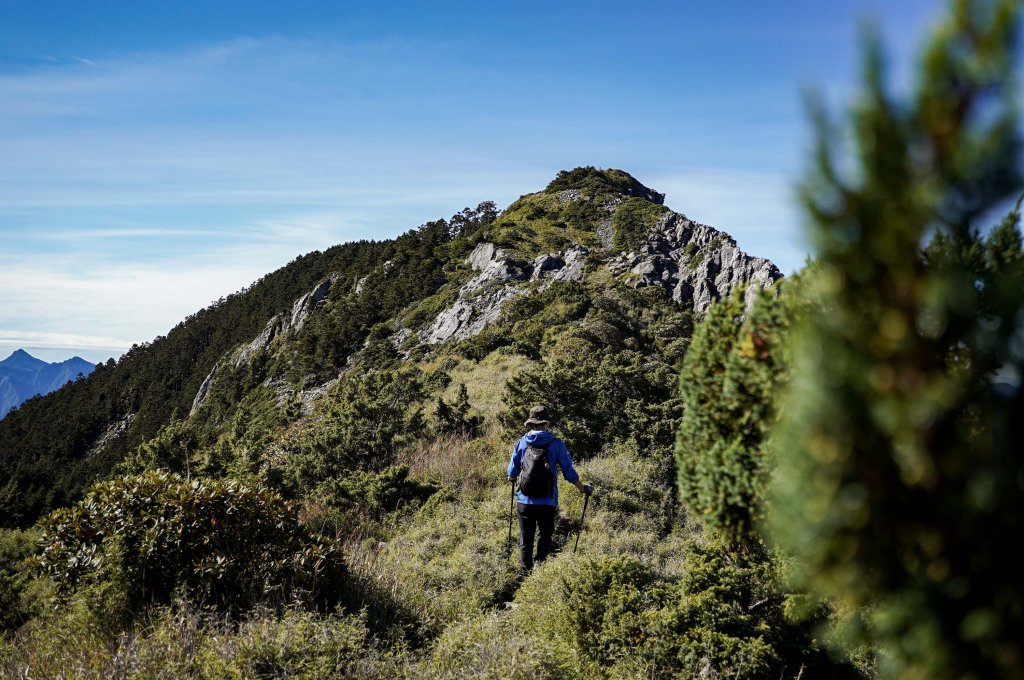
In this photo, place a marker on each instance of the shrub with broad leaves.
(228, 543)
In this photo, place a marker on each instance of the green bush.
(597, 396)
(900, 468)
(227, 543)
(736, 365)
(633, 221)
(723, 618)
(376, 492)
(21, 591)
(363, 422)
(184, 641)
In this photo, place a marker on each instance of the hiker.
(534, 457)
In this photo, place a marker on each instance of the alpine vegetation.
(584, 436)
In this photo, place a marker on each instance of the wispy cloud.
(91, 289)
(137, 188)
(79, 235)
(45, 340)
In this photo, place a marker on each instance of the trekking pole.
(511, 509)
(586, 499)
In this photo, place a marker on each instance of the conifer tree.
(735, 365)
(899, 455)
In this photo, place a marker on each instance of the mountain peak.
(595, 182)
(26, 376)
(22, 360)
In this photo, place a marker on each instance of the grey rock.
(310, 301)
(289, 321)
(483, 255)
(400, 336)
(564, 266)
(480, 299)
(546, 263)
(605, 232)
(696, 263)
(113, 431)
(204, 390)
(261, 341)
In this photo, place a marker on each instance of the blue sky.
(155, 156)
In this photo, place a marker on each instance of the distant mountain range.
(22, 377)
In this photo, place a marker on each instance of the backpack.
(537, 479)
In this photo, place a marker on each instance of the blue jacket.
(557, 455)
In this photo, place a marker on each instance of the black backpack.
(537, 479)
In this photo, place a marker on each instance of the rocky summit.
(586, 223)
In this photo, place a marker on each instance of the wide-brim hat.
(538, 416)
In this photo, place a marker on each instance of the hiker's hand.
(511, 478)
(588, 489)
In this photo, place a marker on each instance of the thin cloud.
(48, 340)
(114, 234)
(100, 295)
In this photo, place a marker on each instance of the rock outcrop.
(696, 263)
(113, 431)
(482, 298)
(292, 321)
(204, 390)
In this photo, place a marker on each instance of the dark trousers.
(531, 518)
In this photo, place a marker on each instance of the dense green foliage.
(601, 184)
(20, 589)
(226, 543)
(574, 210)
(725, 614)
(607, 372)
(900, 454)
(393, 453)
(44, 461)
(47, 462)
(732, 374)
(633, 220)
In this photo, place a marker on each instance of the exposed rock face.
(113, 431)
(310, 301)
(204, 390)
(261, 342)
(567, 266)
(289, 321)
(482, 298)
(696, 263)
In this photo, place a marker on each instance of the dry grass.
(459, 462)
(485, 381)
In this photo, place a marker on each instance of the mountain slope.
(250, 367)
(22, 377)
(52, 446)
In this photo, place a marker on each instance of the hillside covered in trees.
(807, 477)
